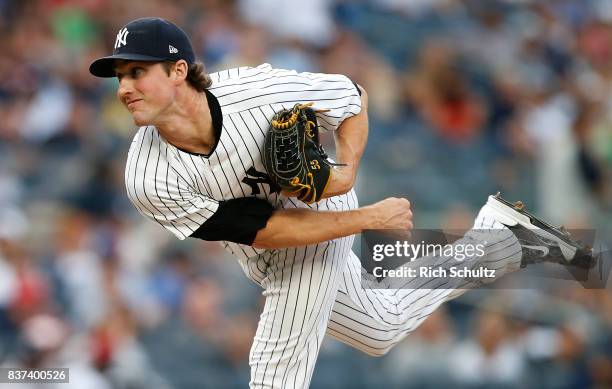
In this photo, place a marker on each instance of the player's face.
(145, 90)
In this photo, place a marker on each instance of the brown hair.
(196, 75)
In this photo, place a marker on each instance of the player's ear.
(180, 70)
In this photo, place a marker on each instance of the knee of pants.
(374, 347)
(380, 350)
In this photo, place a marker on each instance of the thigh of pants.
(374, 320)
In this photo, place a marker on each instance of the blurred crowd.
(467, 97)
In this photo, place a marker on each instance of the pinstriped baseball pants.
(317, 290)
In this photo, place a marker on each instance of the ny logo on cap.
(121, 38)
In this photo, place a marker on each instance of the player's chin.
(140, 119)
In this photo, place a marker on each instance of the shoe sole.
(508, 214)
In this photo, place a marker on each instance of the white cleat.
(540, 241)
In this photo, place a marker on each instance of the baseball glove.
(292, 155)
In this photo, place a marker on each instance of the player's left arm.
(350, 138)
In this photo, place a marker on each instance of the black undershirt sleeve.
(236, 220)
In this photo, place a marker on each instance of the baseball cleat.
(540, 241)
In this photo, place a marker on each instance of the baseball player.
(195, 167)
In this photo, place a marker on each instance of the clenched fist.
(391, 214)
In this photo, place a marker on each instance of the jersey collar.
(217, 122)
(217, 118)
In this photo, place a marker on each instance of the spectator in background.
(491, 357)
(442, 97)
(349, 54)
(407, 365)
(309, 22)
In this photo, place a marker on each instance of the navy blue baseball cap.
(146, 39)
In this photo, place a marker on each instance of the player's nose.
(124, 89)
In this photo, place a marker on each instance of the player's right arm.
(253, 222)
(299, 227)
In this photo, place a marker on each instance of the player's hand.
(391, 213)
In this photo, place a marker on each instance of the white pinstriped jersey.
(180, 190)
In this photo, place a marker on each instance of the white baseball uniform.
(309, 290)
